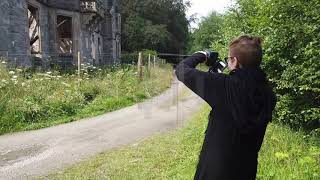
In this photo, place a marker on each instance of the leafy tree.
(159, 25)
(209, 32)
(134, 33)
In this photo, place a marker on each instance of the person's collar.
(245, 69)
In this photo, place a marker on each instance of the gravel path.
(26, 155)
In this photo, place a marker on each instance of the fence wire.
(66, 62)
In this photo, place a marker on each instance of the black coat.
(242, 104)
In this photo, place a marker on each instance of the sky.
(203, 7)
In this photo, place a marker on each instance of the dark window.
(110, 3)
(64, 34)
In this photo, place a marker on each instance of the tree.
(209, 32)
(159, 25)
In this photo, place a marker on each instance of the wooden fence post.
(140, 73)
(154, 61)
(79, 65)
(149, 62)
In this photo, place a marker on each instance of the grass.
(285, 155)
(35, 100)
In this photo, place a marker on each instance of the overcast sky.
(204, 7)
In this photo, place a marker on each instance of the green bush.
(299, 102)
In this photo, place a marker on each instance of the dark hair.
(248, 50)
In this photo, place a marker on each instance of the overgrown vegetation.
(291, 31)
(158, 25)
(285, 155)
(35, 100)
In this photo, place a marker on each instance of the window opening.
(64, 34)
(34, 29)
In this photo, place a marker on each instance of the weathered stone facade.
(59, 29)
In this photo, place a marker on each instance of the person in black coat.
(242, 103)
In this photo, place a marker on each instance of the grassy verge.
(37, 100)
(284, 155)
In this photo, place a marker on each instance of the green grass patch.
(35, 100)
(285, 155)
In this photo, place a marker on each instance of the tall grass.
(35, 100)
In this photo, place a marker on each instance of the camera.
(216, 65)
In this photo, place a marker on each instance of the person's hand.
(211, 57)
(206, 53)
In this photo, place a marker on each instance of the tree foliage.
(209, 31)
(291, 31)
(158, 25)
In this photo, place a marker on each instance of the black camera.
(214, 62)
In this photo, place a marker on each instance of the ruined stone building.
(59, 29)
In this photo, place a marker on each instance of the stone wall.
(4, 27)
(72, 5)
(18, 33)
(14, 31)
(112, 49)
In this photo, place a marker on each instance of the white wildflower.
(49, 72)
(65, 84)
(23, 84)
(48, 75)
(19, 70)
(3, 62)
(12, 72)
(14, 77)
